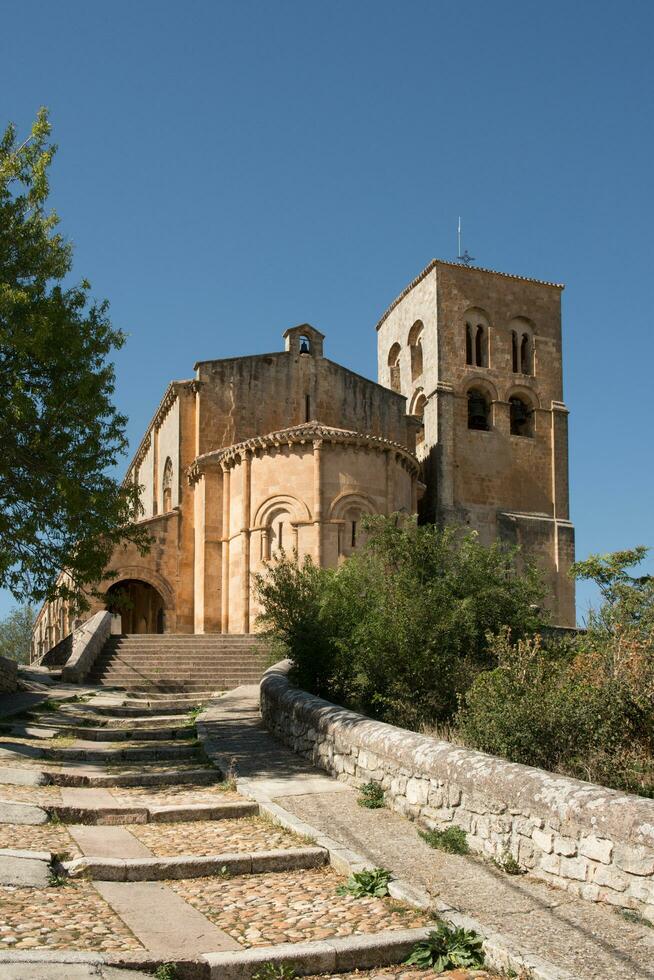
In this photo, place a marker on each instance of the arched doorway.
(139, 604)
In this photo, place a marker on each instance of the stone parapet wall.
(88, 640)
(8, 675)
(593, 841)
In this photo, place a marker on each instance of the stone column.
(317, 498)
(245, 534)
(224, 617)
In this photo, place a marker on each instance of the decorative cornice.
(309, 433)
(458, 265)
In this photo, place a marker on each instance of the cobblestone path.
(123, 848)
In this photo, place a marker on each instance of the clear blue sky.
(228, 169)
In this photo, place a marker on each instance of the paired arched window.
(167, 486)
(522, 416)
(477, 339)
(394, 367)
(478, 410)
(415, 347)
(522, 347)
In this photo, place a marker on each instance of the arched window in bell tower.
(415, 347)
(477, 338)
(394, 367)
(522, 346)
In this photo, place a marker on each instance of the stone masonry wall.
(593, 841)
(8, 675)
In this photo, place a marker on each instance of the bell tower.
(486, 384)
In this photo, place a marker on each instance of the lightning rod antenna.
(462, 256)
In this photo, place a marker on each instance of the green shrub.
(453, 840)
(584, 707)
(508, 864)
(371, 795)
(410, 611)
(362, 883)
(448, 948)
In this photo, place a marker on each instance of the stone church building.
(289, 450)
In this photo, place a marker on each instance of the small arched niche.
(415, 348)
(394, 367)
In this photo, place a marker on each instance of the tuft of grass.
(48, 705)
(454, 840)
(372, 882)
(447, 948)
(56, 880)
(371, 796)
(166, 971)
(194, 713)
(275, 971)
(635, 917)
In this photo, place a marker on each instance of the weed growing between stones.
(447, 948)
(635, 917)
(371, 796)
(454, 840)
(167, 971)
(508, 864)
(275, 971)
(372, 882)
(194, 713)
(47, 705)
(229, 780)
(56, 880)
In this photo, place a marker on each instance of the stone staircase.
(198, 664)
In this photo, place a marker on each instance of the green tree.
(60, 510)
(16, 633)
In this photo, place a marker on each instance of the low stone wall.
(593, 841)
(88, 640)
(8, 675)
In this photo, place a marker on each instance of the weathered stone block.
(565, 846)
(576, 868)
(633, 859)
(597, 849)
(608, 878)
(417, 792)
(543, 840)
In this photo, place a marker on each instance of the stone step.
(166, 707)
(198, 669)
(171, 777)
(188, 663)
(132, 753)
(193, 866)
(104, 734)
(131, 814)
